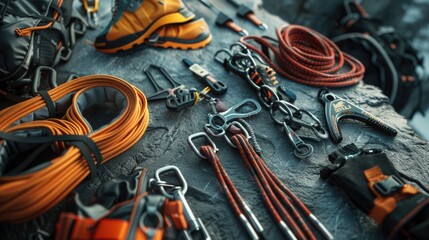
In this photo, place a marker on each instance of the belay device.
(337, 108)
(371, 181)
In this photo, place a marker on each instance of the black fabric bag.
(374, 185)
(391, 63)
(35, 33)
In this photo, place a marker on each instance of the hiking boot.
(190, 35)
(134, 21)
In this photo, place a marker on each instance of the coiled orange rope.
(29, 194)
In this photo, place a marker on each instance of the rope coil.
(307, 57)
(30, 193)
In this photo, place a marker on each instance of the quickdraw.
(276, 195)
(250, 67)
(73, 123)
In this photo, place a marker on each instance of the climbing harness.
(337, 108)
(177, 192)
(123, 209)
(79, 125)
(177, 97)
(261, 77)
(276, 195)
(209, 80)
(244, 11)
(307, 57)
(222, 19)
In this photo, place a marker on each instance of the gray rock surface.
(165, 140)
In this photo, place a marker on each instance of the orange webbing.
(27, 31)
(384, 205)
(29, 195)
(306, 56)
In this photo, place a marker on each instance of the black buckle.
(346, 152)
(389, 185)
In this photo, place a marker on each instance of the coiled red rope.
(306, 56)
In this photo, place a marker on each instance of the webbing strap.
(49, 103)
(85, 144)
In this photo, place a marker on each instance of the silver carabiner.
(195, 149)
(171, 168)
(219, 121)
(267, 102)
(302, 149)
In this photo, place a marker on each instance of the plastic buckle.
(346, 152)
(389, 185)
(65, 54)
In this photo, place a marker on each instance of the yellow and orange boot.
(134, 21)
(190, 35)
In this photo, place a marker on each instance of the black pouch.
(374, 185)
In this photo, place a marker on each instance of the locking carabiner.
(91, 8)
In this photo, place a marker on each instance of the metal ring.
(303, 151)
(194, 148)
(242, 128)
(224, 50)
(158, 216)
(243, 48)
(212, 121)
(283, 107)
(269, 89)
(210, 131)
(175, 169)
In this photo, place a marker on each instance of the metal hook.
(171, 168)
(302, 150)
(220, 60)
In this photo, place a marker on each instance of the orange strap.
(27, 31)
(174, 210)
(71, 226)
(384, 205)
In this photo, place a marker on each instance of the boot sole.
(173, 18)
(185, 46)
